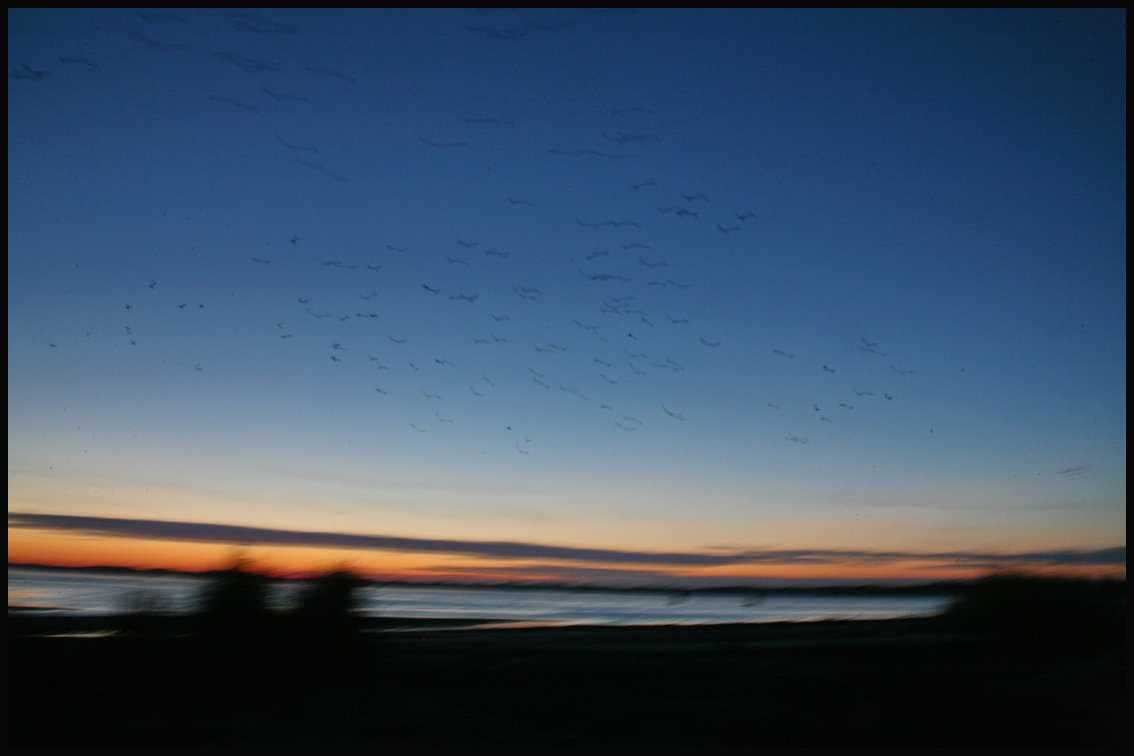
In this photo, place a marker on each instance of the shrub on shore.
(328, 606)
(320, 635)
(233, 605)
(1036, 610)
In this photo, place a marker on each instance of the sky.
(619, 296)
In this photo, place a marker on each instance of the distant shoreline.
(929, 588)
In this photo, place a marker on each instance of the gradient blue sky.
(700, 282)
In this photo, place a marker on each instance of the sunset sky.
(621, 296)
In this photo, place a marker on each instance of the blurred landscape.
(743, 377)
(1015, 660)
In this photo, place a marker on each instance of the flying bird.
(335, 264)
(235, 102)
(443, 145)
(495, 121)
(286, 95)
(29, 73)
(549, 27)
(152, 18)
(248, 64)
(509, 34)
(163, 46)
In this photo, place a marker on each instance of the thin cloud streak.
(241, 535)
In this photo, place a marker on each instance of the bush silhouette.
(328, 606)
(233, 605)
(242, 637)
(322, 633)
(1033, 610)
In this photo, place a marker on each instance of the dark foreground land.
(908, 682)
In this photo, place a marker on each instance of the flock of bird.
(607, 321)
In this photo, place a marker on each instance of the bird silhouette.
(27, 72)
